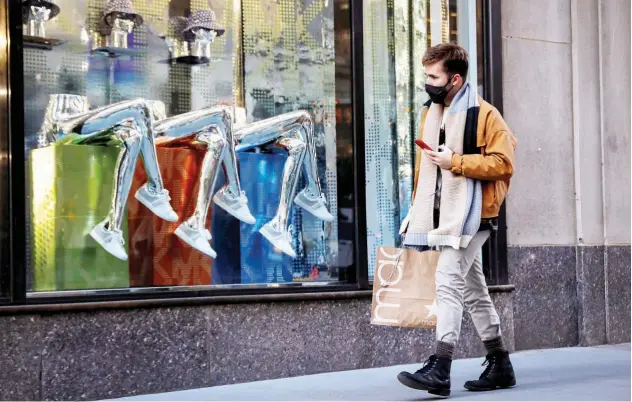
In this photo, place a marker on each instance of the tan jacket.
(494, 166)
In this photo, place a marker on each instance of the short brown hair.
(454, 57)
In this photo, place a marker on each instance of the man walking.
(459, 188)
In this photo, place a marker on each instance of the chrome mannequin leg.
(216, 146)
(125, 166)
(230, 166)
(276, 230)
(218, 120)
(130, 122)
(198, 121)
(193, 230)
(266, 131)
(293, 143)
(138, 113)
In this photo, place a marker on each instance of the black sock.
(445, 350)
(495, 345)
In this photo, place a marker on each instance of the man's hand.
(443, 158)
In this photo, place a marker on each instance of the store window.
(401, 31)
(136, 175)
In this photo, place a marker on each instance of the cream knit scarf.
(461, 197)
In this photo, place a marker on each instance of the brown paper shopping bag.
(404, 288)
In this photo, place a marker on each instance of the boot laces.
(428, 365)
(490, 362)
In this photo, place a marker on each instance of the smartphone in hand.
(423, 145)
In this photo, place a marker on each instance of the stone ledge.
(203, 300)
(108, 354)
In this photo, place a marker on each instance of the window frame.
(13, 272)
(495, 263)
(6, 264)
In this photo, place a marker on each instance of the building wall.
(566, 79)
(110, 354)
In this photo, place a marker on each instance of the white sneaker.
(158, 203)
(236, 206)
(316, 206)
(280, 239)
(111, 240)
(198, 239)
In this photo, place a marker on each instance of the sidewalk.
(573, 374)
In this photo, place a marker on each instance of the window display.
(231, 106)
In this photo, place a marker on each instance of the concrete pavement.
(572, 374)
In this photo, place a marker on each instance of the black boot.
(433, 377)
(498, 374)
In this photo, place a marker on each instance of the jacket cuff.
(457, 162)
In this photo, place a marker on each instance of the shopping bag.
(404, 292)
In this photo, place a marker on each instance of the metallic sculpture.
(119, 20)
(293, 132)
(119, 31)
(189, 39)
(133, 125)
(178, 47)
(35, 14)
(213, 127)
(200, 32)
(128, 124)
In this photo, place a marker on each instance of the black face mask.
(438, 94)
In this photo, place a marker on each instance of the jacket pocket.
(490, 210)
(501, 188)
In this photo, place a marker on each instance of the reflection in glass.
(400, 33)
(294, 58)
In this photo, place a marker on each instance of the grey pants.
(461, 283)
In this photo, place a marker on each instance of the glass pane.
(246, 194)
(400, 33)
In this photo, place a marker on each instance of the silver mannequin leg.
(310, 166)
(200, 120)
(136, 113)
(216, 147)
(211, 128)
(230, 165)
(217, 120)
(296, 148)
(130, 122)
(294, 132)
(276, 231)
(125, 166)
(213, 141)
(266, 131)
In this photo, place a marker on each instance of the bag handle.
(399, 256)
